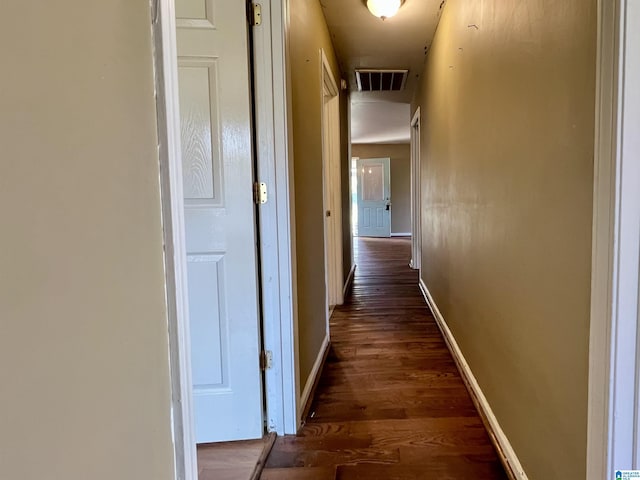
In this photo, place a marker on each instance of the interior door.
(215, 114)
(374, 197)
(332, 189)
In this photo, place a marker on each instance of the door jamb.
(416, 207)
(613, 430)
(277, 218)
(276, 228)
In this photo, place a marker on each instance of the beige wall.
(507, 161)
(308, 34)
(83, 328)
(400, 155)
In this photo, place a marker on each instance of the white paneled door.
(331, 185)
(374, 197)
(215, 115)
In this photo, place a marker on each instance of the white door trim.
(168, 112)
(416, 207)
(613, 431)
(274, 165)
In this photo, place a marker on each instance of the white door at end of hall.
(217, 162)
(374, 197)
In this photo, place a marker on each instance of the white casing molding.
(613, 428)
(170, 154)
(504, 447)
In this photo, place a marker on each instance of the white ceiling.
(364, 41)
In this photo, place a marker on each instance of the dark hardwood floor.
(390, 404)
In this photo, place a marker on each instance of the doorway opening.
(396, 202)
(372, 205)
(207, 183)
(179, 408)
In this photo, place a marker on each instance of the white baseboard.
(349, 281)
(401, 234)
(315, 371)
(502, 444)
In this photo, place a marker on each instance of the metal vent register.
(370, 80)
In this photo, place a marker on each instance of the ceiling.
(364, 41)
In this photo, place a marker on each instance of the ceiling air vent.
(371, 80)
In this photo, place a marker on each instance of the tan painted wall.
(400, 155)
(507, 161)
(308, 34)
(83, 328)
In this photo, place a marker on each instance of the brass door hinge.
(260, 193)
(256, 14)
(266, 359)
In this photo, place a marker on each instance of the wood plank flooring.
(390, 403)
(231, 460)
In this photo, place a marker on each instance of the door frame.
(614, 373)
(332, 183)
(276, 225)
(614, 220)
(416, 204)
(274, 151)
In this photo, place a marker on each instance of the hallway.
(390, 403)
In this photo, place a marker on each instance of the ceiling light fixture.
(384, 8)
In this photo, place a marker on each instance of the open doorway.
(222, 267)
(233, 371)
(399, 156)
